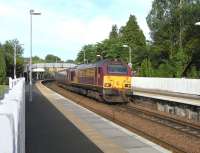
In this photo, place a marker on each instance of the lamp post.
(84, 60)
(15, 49)
(197, 24)
(97, 76)
(100, 57)
(130, 50)
(30, 66)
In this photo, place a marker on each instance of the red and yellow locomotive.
(106, 80)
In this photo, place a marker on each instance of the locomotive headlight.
(107, 84)
(127, 85)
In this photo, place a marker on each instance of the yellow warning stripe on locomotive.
(120, 82)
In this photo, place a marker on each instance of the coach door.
(100, 76)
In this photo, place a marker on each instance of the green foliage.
(2, 67)
(146, 68)
(90, 54)
(52, 58)
(193, 72)
(8, 50)
(37, 59)
(3, 89)
(133, 36)
(112, 47)
(175, 37)
(164, 70)
(174, 50)
(114, 32)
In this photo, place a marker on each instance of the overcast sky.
(66, 25)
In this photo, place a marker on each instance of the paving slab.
(48, 131)
(108, 136)
(129, 142)
(143, 150)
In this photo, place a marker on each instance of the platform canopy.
(38, 70)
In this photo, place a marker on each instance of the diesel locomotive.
(106, 80)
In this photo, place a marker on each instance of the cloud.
(86, 32)
(65, 25)
(69, 34)
(6, 10)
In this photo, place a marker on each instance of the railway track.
(185, 127)
(191, 132)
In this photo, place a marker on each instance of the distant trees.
(7, 59)
(52, 59)
(69, 61)
(36, 59)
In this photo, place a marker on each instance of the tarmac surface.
(55, 124)
(48, 131)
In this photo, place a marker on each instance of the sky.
(65, 26)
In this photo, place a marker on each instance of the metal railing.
(49, 65)
(12, 118)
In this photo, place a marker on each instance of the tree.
(37, 59)
(112, 47)
(146, 68)
(132, 35)
(8, 49)
(90, 54)
(52, 58)
(114, 32)
(2, 67)
(174, 35)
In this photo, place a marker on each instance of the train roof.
(92, 65)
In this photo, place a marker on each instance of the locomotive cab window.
(121, 69)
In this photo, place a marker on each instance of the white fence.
(12, 118)
(178, 85)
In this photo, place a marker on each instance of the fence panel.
(179, 85)
(12, 118)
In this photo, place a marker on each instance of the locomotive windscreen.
(117, 69)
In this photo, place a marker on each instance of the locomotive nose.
(119, 82)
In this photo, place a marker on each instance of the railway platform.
(57, 124)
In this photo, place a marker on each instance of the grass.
(3, 89)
